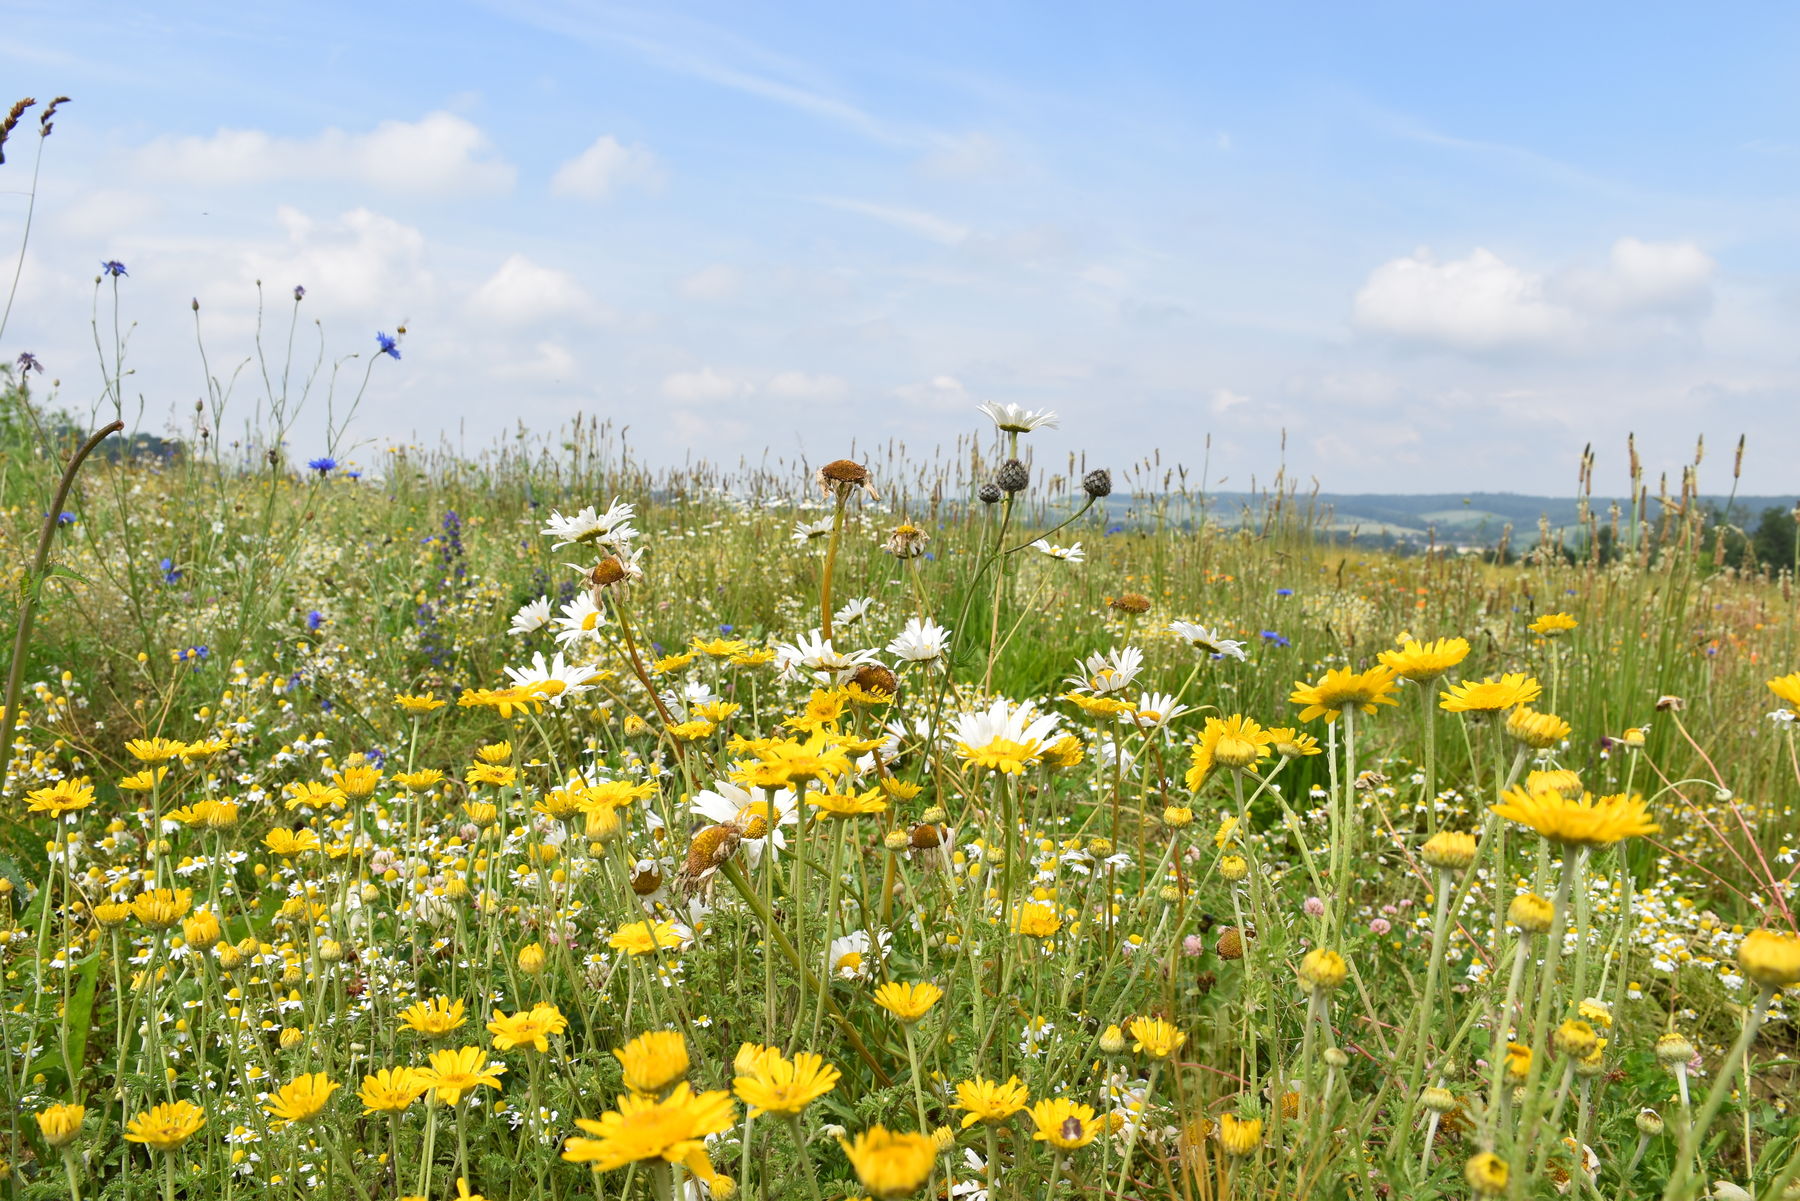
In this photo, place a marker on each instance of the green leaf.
(79, 1014)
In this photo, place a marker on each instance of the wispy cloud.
(914, 221)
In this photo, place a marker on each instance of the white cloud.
(717, 282)
(523, 291)
(440, 153)
(938, 392)
(361, 260)
(799, 385)
(913, 221)
(1479, 303)
(1647, 277)
(703, 386)
(1224, 400)
(605, 166)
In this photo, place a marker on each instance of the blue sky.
(1442, 247)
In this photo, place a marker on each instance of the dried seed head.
(840, 477)
(989, 494)
(1097, 483)
(1012, 476)
(711, 847)
(606, 573)
(1130, 602)
(1231, 943)
(925, 836)
(646, 881)
(874, 678)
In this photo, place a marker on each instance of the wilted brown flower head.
(840, 477)
(907, 541)
(1130, 602)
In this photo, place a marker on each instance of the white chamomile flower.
(806, 531)
(611, 529)
(921, 640)
(554, 679)
(814, 653)
(853, 611)
(531, 617)
(1068, 554)
(1201, 638)
(728, 804)
(1016, 419)
(579, 619)
(1103, 674)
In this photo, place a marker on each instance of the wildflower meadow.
(382, 822)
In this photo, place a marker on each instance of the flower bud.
(1012, 476)
(1649, 1122)
(1097, 483)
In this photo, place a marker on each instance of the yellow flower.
(59, 1124)
(1155, 1037)
(1787, 688)
(908, 1002)
(1065, 752)
(1487, 1174)
(719, 648)
(213, 815)
(153, 750)
(319, 796)
(653, 1061)
(301, 1098)
(358, 781)
(165, 1127)
(1063, 1124)
(669, 663)
(1449, 850)
(1531, 913)
(981, 1100)
(1237, 743)
(419, 781)
(1098, 706)
(64, 796)
(201, 930)
(1550, 625)
(289, 843)
(1574, 1038)
(1583, 823)
(1323, 970)
(528, 1028)
(495, 752)
(642, 938)
(1292, 744)
(1770, 958)
(496, 774)
(1518, 1061)
(847, 804)
(673, 1129)
(1239, 1136)
(1421, 661)
(1340, 689)
(1538, 731)
(145, 780)
(1491, 696)
(434, 1018)
(418, 706)
(1561, 780)
(771, 1083)
(1036, 921)
(891, 1163)
(453, 1073)
(391, 1089)
(160, 908)
(532, 958)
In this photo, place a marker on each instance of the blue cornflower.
(353, 474)
(171, 573)
(314, 620)
(726, 629)
(324, 466)
(64, 518)
(1284, 592)
(299, 291)
(112, 267)
(1118, 527)
(1272, 636)
(28, 362)
(389, 346)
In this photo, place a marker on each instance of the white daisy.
(1155, 710)
(1103, 674)
(806, 531)
(854, 610)
(814, 653)
(855, 957)
(579, 619)
(611, 529)
(921, 640)
(1015, 419)
(531, 617)
(1201, 638)
(1022, 724)
(555, 679)
(1069, 554)
(727, 804)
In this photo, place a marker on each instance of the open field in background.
(1207, 929)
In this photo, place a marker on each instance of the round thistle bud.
(1234, 868)
(1674, 1048)
(1335, 1058)
(1449, 850)
(989, 494)
(1323, 970)
(1097, 483)
(1487, 1174)
(1438, 1100)
(1012, 476)
(1649, 1122)
(1531, 913)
